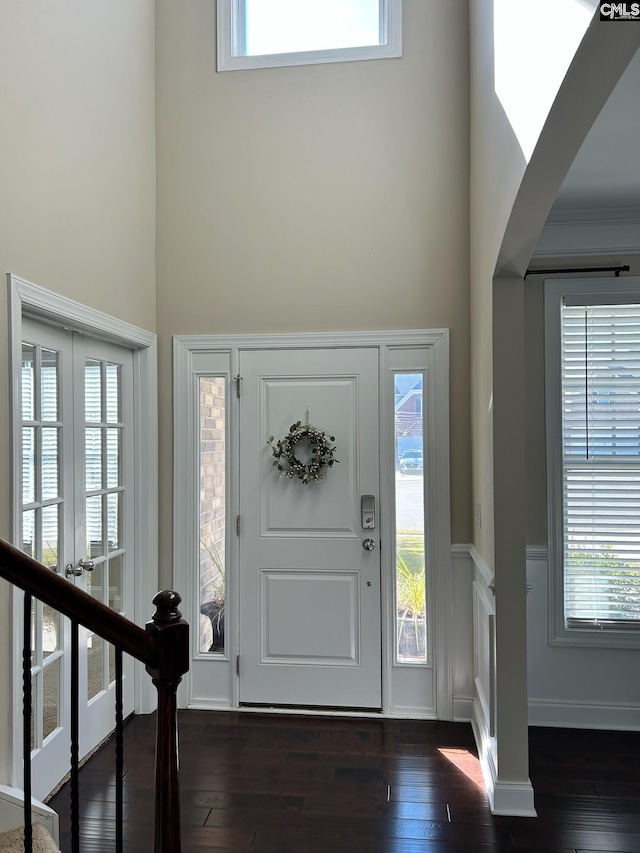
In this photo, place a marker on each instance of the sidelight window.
(212, 430)
(411, 602)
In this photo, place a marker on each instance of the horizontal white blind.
(601, 463)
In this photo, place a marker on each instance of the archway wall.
(521, 147)
(516, 172)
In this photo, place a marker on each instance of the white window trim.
(228, 48)
(594, 291)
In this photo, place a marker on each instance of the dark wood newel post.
(171, 633)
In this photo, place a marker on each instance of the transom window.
(266, 33)
(593, 385)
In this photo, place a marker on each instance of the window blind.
(601, 464)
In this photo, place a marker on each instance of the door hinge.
(237, 664)
(238, 380)
(238, 525)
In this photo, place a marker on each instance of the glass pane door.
(104, 493)
(44, 390)
(77, 474)
(103, 504)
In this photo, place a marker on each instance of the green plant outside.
(410, 547)
(410, 584)
(216, 590)
(624, 585)
(49, 555)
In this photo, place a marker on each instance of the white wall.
(77, 173)
(321, 198)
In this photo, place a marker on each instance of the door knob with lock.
(368, 544)
(83, 566)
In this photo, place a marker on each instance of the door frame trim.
(187, 347)
(28, 299)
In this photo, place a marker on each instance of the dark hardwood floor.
(285, 784)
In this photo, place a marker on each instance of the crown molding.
(590, 233)
(599, 215)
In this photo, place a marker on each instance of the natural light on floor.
(466, 762)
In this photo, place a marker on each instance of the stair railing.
(162, 646)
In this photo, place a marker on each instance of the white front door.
(77, 494)
(309, 591)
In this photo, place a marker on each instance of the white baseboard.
(462, 709)
(12, 812)
(584, 715)
(512, 798)
(486, 746)
(505, 797)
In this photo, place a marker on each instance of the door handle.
(71, 571)
(368, 544)
(368, 509)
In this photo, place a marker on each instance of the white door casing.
(309, 592)
(29, 300)
(408, 690)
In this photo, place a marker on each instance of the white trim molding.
(580, 291)
(462, 633)
(191, 353)
(512, 798)
(12, 812)
(483, 568)
(28, 299)
(589, 233)
(515, 799)
(505, 797)
(576, 714)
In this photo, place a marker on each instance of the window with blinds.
(600, 400)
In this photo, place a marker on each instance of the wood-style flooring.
(291, 784)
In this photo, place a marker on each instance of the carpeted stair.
(13, 841)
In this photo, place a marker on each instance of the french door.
(77, 491)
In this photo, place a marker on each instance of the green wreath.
(288, 464)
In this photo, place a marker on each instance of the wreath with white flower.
(290, 466)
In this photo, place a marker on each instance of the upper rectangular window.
(271, 33)
(593, 447)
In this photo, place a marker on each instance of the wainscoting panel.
(575, 686)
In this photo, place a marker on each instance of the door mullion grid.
(37, 674)
(37, 705)
(105, 562)
(37, 668)
(105, 513)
